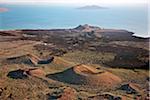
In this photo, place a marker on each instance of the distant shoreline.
(68, 28)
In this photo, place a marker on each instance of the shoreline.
(69, 28)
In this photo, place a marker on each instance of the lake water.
(132, 18)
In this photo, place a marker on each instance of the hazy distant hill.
(92, 7)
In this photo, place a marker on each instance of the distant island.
(92, 7)
(3, 9)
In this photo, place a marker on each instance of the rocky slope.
(85, 63)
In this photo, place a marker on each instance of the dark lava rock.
(131, 88)
(46, 61)
(24, 59)
(105, 96)
(17, 74)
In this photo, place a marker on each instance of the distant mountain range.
(92, 7)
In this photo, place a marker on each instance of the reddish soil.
(68, 94)
(96, 77)
(36, 72)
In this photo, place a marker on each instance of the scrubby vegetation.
(88, 63)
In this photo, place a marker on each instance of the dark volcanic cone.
(86, 75)
(17, 74)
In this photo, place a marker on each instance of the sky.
(78, 2)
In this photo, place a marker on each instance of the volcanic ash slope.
(86, 75)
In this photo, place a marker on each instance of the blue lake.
(131, 18)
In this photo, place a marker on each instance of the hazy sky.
(90, 2)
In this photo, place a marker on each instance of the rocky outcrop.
(24, 73)
(86, 28)
(68, 94)
(36, 60)
(131, 88)
(106, 96)
(29, 59)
